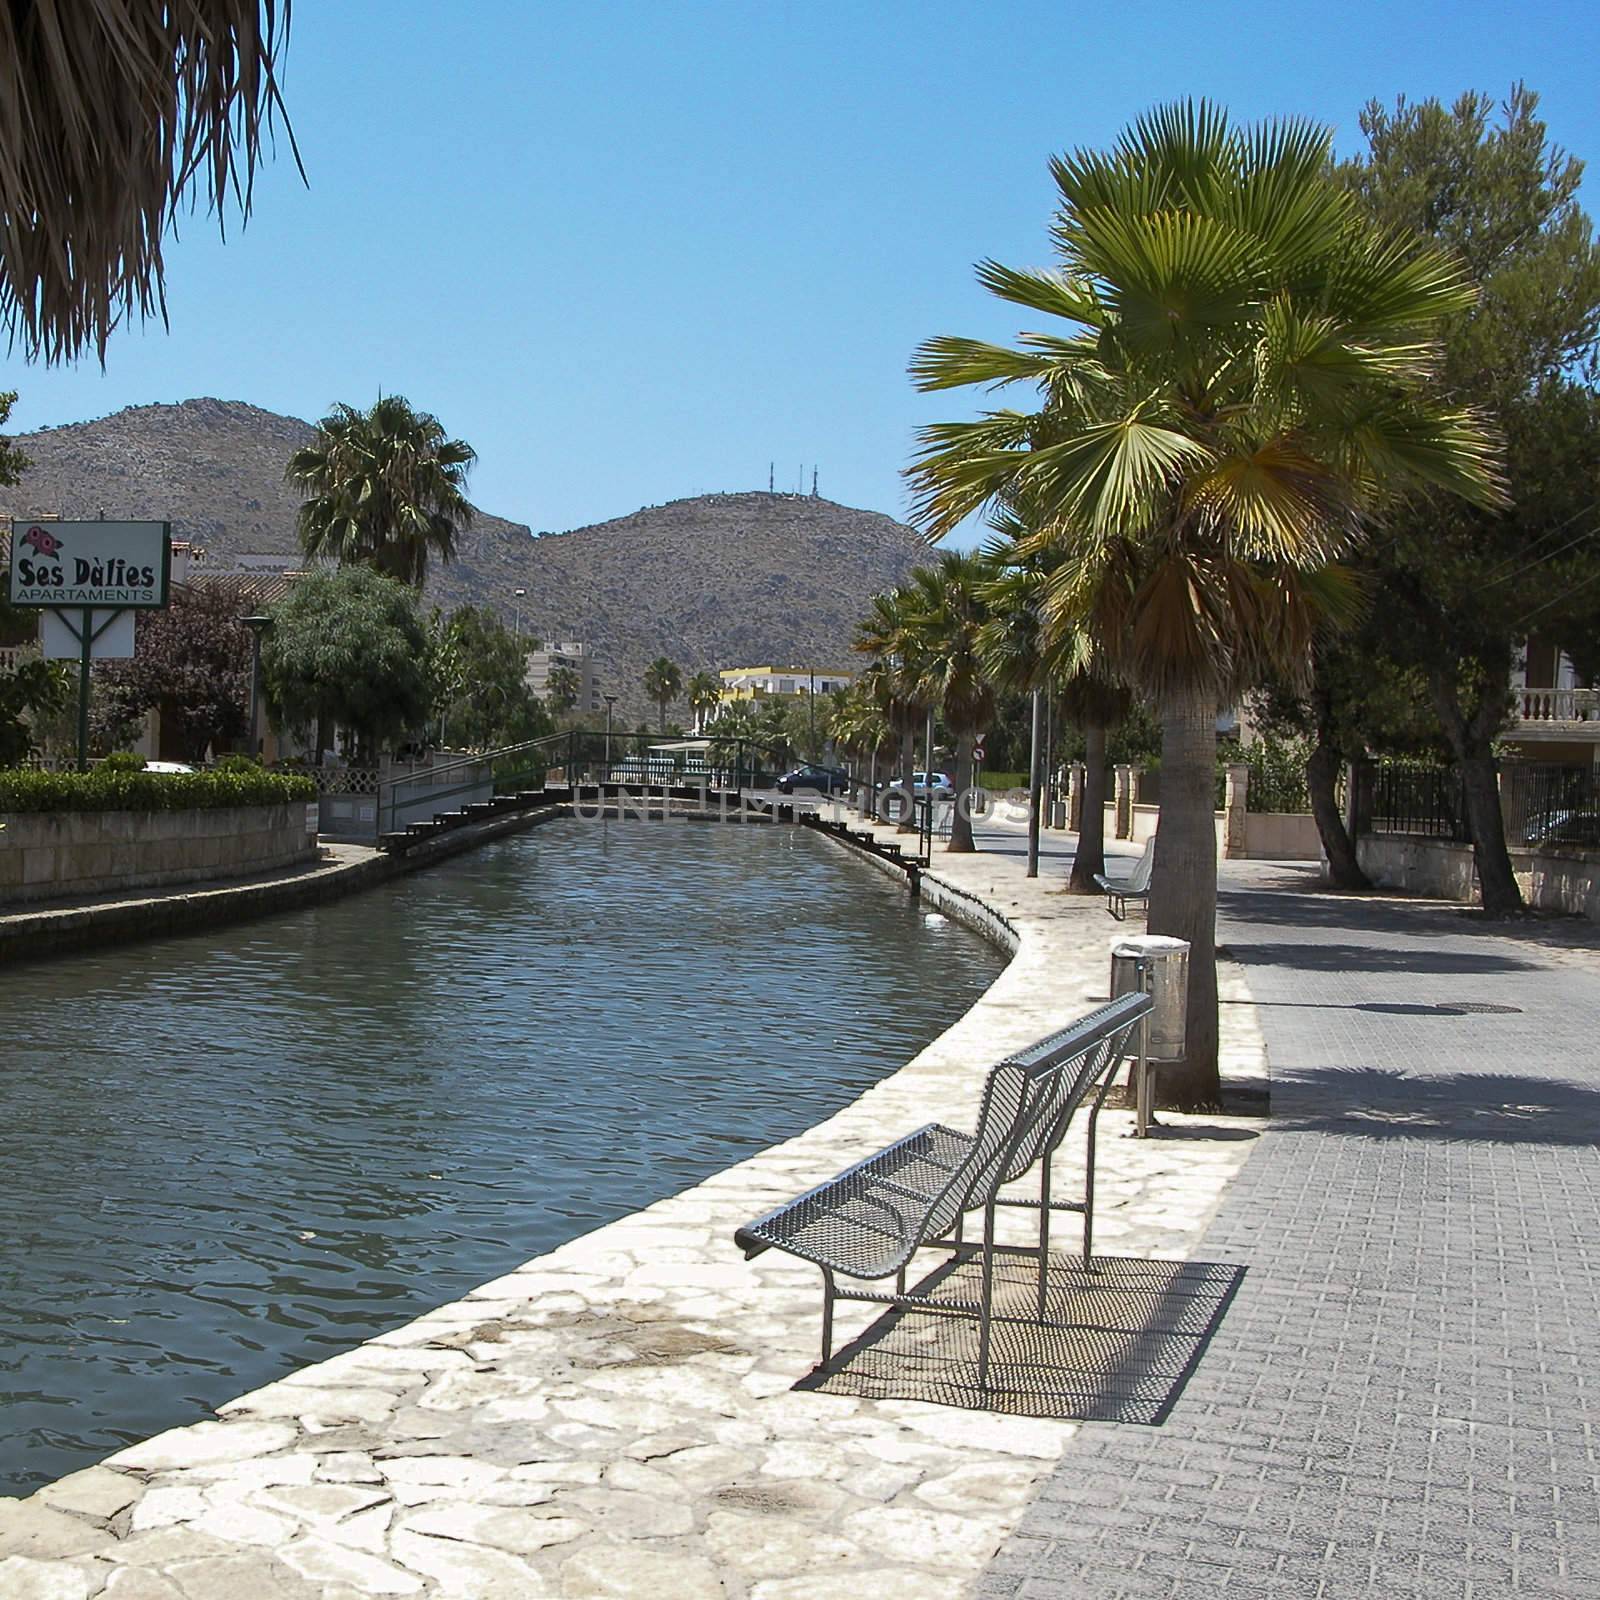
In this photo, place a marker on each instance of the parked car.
(825, 780)
(942, 785)
(1576, 828)
(168, 766)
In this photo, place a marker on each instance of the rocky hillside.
(721, 580)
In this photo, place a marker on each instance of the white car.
(168, 766)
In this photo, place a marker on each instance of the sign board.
(115, 565)
(110, 632)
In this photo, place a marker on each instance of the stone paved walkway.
(1403, 1399)
(620, 1417)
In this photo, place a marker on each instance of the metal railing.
(1548, 805)
(1410, 797)
(575, 761)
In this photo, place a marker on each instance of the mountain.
(717, 581)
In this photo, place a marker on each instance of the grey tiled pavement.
(1404, 1398)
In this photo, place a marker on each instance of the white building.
(579, 659)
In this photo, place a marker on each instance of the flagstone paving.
(1401, 1401)
(620, 1417)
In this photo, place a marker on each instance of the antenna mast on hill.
(813, 483)
(770, 466)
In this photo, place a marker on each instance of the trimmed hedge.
(110, 790)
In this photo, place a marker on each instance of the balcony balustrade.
(1544, 707)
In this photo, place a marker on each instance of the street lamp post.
(257, 626)
(516, 628)
(610, 701)
(1035, 782)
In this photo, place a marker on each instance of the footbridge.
(585, 768)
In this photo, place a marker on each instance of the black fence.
(1544, 806)
(1550, 806)
(1408, 797)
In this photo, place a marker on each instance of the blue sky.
(632, 252)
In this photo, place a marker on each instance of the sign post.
(84, 567)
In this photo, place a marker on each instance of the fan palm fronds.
(385, 487)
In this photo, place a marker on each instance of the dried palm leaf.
(109, 110)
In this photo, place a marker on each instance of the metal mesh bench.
(868, 1222)
(1134, 888)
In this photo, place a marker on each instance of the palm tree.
(945, 611)
(111, 110)
(663, 682)
(1019, 654)
(562, 688)
(1234, 381)
(882, 634)
(857, 723)
(384, 487)
(704, 695)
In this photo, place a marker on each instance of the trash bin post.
(1157, 966)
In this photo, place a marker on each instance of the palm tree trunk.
(661, 707)
(961, 822)
(1091, 853)
(1322, 776)
(1183, 887)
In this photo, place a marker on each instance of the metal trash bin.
(1158, 966)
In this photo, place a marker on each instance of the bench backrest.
(1028, 1101)
(1139, 878)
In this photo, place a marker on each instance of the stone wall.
(1551, 880)
(1280, 836)
(1242, 834)
(49, 855)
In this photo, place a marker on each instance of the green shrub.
(108, 789)
(122, 761)
(1277, 773)
(237, 762)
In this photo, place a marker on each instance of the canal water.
(227, 1155)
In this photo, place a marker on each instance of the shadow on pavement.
(1317, 956)
(1118, 1345)
(1377, 1103)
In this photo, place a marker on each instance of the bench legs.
(988, 1249)
(1044, 1227)
(986, 1305)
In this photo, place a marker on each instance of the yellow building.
(766, 683)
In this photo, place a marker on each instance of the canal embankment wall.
(52, 855)
(317, 874)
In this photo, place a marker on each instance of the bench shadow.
(1491, 1107)
(1118, 1344)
